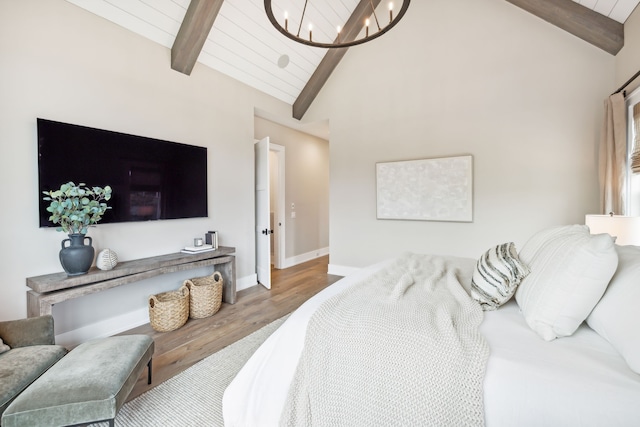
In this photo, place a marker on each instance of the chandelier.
(364, 16)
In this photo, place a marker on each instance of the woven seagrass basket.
(169, 310)
(205, 295)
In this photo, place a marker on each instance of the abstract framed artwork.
(439, 189)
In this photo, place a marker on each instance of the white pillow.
(570, 270)
(616, 317)
(497, 275)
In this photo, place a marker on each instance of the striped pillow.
(497, 274)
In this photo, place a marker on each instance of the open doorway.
(299, 216)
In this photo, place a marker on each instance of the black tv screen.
(151, 179)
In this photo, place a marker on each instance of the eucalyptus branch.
(76, 207)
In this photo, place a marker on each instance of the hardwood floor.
(255, 307)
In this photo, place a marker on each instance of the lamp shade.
(626, 229)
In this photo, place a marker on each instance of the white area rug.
(193, 397)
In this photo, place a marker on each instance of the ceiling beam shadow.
(194, 30)
(332, 58)
(582, 22)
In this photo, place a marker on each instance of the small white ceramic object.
(106, 259)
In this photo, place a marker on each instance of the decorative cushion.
(616, 317)
(3, 347)
(570, 270)
(497, 275)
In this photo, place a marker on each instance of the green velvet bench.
(89, 384)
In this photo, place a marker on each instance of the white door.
(263, 230)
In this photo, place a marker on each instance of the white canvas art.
(428, 189)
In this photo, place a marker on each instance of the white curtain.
(635, 156)
(613, 156)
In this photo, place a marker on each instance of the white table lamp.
(626, 229)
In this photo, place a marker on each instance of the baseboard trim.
(104, 328)
(246, 282)
(299, 259)
(342, 270)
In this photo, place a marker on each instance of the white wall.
(306, 186)
(628, 60)
(479, 77)
(62, 63)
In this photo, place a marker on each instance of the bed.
(570, 357)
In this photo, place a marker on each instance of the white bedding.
(574, 381)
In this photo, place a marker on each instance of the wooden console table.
(50, 289)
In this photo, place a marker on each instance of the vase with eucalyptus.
(75, 208)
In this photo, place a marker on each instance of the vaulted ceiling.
(236, 38)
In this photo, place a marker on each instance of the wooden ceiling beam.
(194, 30)
(332, 58)
(582, 22)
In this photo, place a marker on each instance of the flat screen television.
(151, 179)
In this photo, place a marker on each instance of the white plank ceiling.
(244, 45)
(618, 10)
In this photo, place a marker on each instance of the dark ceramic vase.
(76, 258)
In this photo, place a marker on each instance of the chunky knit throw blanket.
(399, 349)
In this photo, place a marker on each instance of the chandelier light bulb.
(286, 20)
(390, 12)
(366, 23)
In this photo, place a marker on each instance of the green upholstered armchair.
(31, 352)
